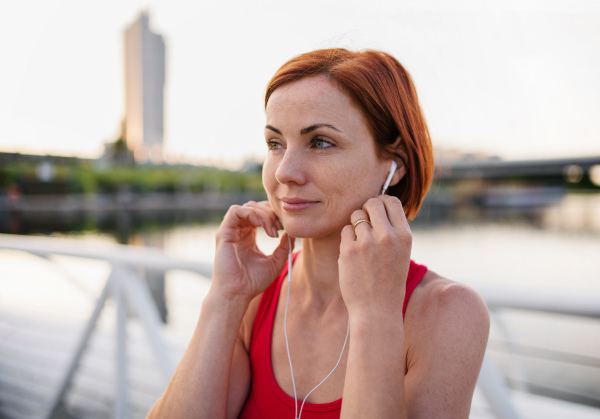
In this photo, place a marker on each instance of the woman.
(337, 121)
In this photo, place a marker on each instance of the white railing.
(131, 294)
(497, 298)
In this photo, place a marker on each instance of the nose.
(291, 168)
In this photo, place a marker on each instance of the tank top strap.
(266, 398)
(416, 272)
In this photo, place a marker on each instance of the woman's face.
(322, 162)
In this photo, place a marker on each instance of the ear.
(399, 151)
(399, 173)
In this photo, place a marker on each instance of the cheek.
(268, 175)
(348, 187)
(269, 181)
(360, 181)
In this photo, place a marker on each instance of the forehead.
(313, 99)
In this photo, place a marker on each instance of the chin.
(310, 230)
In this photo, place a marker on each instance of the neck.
(317, 272)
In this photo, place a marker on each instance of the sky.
(517, 79)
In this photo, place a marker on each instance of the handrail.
(130, 292)
(573, 302)
(147, 258)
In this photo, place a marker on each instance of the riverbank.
(126, 201)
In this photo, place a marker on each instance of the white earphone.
(297, 413)
(389, 178)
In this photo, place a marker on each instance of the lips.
(297, 204)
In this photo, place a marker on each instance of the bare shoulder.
(441, 311)
(437, 297)
(446, 331)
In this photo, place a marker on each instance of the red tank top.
(267, 399)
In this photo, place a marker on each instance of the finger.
(360, 226)
(268, 217)
(272, 222)
(267, 206)
(394, 210)
(279, 225)
(348, 237)
(375, 210)
(268, 222)
(238, 216)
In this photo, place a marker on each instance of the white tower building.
(144, 90)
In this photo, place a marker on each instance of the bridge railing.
(131, 295)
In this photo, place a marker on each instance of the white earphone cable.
(336, 365)
(287, 346)
(297, 414)
(389, 178)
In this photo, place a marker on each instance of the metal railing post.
(69, 371)
(139, 299)
(491, 384)
(516, 364)
(121, 388)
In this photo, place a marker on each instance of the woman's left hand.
(374, 259)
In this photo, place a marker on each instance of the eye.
(320, 143)
(274, 145)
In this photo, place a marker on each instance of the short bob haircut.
(387, 96)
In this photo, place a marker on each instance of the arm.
(216, 356)
(448, 329)
(374, 385)
(200, 385)
(445, 331)
(373, 266)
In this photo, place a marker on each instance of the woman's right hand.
(241, 269)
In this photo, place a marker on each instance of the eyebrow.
(306, 130)
(273, 129)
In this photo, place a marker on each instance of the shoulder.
(441, 311)
(436, 295)
(446, 332)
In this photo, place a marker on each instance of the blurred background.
(139, 123)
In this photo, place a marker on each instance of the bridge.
(570, 168)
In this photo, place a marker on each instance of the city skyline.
(514, 79)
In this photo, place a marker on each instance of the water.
(555, 247)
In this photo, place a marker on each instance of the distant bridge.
(570, 168)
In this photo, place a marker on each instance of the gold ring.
(360, 220)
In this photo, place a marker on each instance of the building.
(144, 90)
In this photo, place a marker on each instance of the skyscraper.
(144, 90)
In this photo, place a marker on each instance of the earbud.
(389, 178)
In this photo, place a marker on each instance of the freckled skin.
(341, 178)
(424, 365)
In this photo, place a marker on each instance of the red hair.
(387, 96)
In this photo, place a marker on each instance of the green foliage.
(141, 179)
(5, 178)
